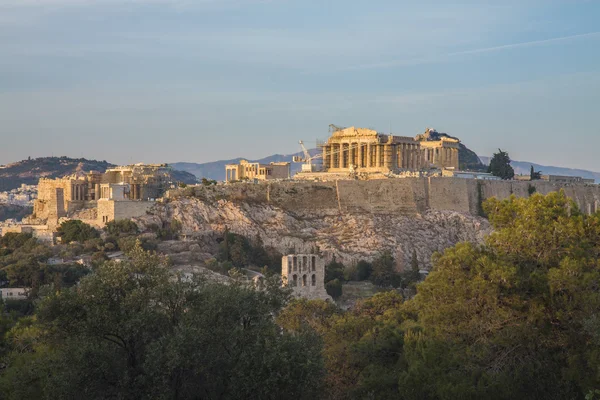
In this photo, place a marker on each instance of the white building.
(14, 293)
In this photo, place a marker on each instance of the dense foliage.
(75, 230)
(121, 227)
(240, 252)
(515, 317)
(134, 331)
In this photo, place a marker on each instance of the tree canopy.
(133, 330)
(512, 317)
(500, 165)
(75, 230)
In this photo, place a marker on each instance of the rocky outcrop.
(349, 236)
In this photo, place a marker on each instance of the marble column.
(388, 154)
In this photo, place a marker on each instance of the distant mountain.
(524, 168)
(11, 211)
(31, 170)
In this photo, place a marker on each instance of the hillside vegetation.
(513, 318)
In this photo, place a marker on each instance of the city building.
(14, 293)
(567, 179)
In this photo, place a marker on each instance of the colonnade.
(78, 192)
(442, 156)
(372, 155)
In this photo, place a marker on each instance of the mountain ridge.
(30, 171)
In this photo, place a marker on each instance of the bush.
(363, 270)
(13, 241)
(208, 182)
(119, 227)
(334, 288)
(242, 253)
(334, 270)
(168, 230)
(76, 231)
(384, 273)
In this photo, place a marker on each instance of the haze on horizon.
(182, 80)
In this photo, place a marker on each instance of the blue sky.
(181, 80)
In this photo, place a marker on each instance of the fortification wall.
(109, 210)
(406, 196)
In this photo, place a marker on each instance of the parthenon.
(366, 150)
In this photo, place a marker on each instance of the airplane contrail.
(438, 58)
(523, 44)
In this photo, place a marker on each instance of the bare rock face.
(347, 236)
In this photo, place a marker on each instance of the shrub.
(76, 231)
(334, 288)
(119, 227)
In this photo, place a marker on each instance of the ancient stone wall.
(406, 196)
(109, 210)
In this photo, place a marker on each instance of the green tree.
(334, 288)
(535, 175)
(384, 273)
(363, 270)
(513, 316)
(76, 231)
(133, 330)
(334, 270)
(500, 165)
(362, 347)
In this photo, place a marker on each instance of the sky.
(198, 81)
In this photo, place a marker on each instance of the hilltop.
(31, 170)
(216, 169)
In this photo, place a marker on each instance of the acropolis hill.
(350, 219)
(370, 192)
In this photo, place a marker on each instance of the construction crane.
(307, 160)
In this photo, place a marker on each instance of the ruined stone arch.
(304, 280)
(313, 280)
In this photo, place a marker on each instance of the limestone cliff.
(351, 219)
(347, 236)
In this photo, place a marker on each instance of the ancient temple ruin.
(305, 274)
(366, 150)
(97, 198)
(246, 170)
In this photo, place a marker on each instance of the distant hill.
(11, 211)
(30, 171)
(216, 169)
(524, 168)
